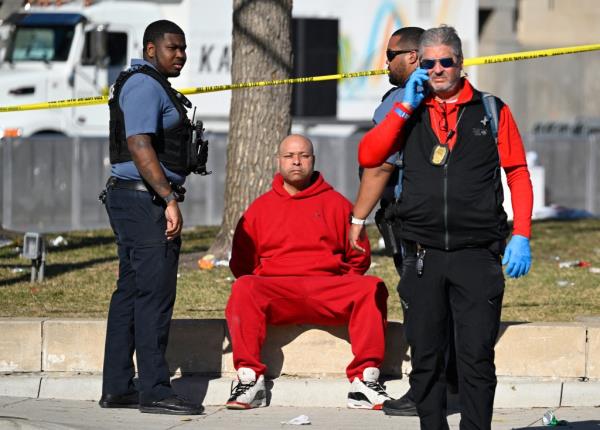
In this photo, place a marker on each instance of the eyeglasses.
(391, 54)
(428, 64)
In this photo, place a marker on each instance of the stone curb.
(535, 350)
(538, 364)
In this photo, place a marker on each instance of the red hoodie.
(301, 235)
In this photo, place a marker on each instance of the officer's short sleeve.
(141, 102)
(393, 159)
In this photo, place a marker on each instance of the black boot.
(405, 406)
(128, 401)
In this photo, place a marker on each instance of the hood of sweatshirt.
(318, 185)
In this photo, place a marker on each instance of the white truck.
(76, 50)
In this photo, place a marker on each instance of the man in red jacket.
(452, 226)
(294, 264)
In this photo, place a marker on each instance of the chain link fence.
(51, 183)
(570, 155)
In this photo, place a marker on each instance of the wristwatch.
(357, 221)
(170, 197)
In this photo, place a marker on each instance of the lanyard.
(439, 154)
(452, 132)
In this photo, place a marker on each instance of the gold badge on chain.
(439, 155)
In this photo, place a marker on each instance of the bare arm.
(146, 161)
(371, 188)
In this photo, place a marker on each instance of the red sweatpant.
(359, 301)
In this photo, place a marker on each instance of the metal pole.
(33, 271)
(42, 262)
(590, 198)
(7, 182)
(76, 185)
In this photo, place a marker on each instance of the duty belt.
(138, 185)
(122, 184)
(114, 182)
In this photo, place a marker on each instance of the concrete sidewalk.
(31, 414)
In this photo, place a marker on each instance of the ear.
(413, 57)
(150, 50)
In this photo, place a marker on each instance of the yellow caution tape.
(213, 88)
(516, 56)
(529, 55)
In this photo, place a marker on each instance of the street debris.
(58, 241)
(550, 420)
(207, 262)
(562, 283)
(574, 263)
(300, 420)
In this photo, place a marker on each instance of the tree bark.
(259, 117)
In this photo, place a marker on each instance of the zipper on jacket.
(446, 232)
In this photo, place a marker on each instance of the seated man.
(294, 264)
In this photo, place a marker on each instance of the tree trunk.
(259, 117)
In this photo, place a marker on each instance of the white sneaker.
(368, 393)
(249, 392)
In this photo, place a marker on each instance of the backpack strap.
(399, 164)
(491, 110)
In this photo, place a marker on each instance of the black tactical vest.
(172, 145)
(459, 204)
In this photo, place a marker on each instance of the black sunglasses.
(444, 62)
(391, 54)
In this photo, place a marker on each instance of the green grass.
(81, 276)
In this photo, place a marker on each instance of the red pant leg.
(359, 301)
(255, 301)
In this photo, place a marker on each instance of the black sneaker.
(405, 406)
(171, 406)
(126, 401)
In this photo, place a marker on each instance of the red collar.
(464, 96)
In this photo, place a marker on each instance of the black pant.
(468, 285)
(451, 372)
(141, 307)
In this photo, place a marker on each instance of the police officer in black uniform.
(150, 147)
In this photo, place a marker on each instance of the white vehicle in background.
(77, 49)
(67, 52)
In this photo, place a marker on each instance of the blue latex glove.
(517, 257)
(416, 81)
